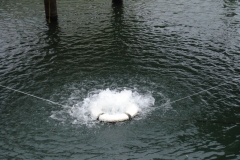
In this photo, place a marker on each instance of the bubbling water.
(112, 102)
(109, 101)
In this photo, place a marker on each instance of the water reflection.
(117, 24)
(52, 34)
(117, 6)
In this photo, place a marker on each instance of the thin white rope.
(67, 106)
(195, 94)
(33, 96)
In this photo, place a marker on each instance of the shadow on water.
(117, 22)
(120, 29)
(53, 38)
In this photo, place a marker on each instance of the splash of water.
(110, 101)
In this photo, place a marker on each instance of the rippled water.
(166, 50)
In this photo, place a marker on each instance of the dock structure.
(51, 9)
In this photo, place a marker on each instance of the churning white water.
(109, 101)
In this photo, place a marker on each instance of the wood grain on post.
(51, 10)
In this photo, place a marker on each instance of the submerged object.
(103, 115)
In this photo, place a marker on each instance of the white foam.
(112, 102)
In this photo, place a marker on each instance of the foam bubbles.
(112, 102)
(109, 101)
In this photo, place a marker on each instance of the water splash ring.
(99, 114)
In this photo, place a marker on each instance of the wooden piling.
(117, 2)
(51, 10)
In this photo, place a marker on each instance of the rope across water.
(65, 106)
(31, 95)
(171, 102)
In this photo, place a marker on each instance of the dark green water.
(163, 49)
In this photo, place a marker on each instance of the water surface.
(161, 50)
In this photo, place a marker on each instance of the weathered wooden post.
(118, 2)
(51, 10)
